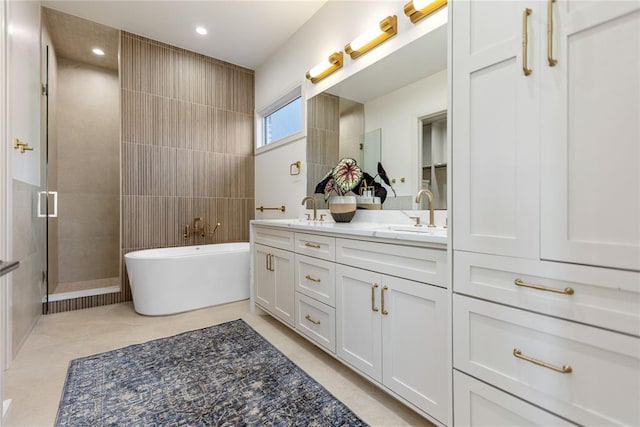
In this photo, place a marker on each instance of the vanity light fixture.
(326, 67)
(387, 28)
(201, 30)
(418, 9)
(98, 51)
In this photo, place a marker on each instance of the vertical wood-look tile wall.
(187, 145)
(323, 140)
(187, 151)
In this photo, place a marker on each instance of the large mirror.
(392, 111)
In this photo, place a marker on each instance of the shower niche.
(81, 117)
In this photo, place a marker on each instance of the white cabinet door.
(495, 123)
(414, 344)
(274, 280)
(263, 280)
(358, 320)
(282, 269)
(590, 143)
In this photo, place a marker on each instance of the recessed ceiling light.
(98, 51)
(201, 30)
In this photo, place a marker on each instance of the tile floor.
(35, 379)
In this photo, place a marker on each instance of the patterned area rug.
(224, 375)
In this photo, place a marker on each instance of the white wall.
(398, 115)
(274, 186)
(4, 212)
(23, 94)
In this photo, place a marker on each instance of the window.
(281, 120)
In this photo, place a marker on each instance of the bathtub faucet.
(197, 229)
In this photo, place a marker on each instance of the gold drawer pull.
(373, 297)
(312, 245)
(308, 277)
(565, 369)
(384, 311)
(308, 317)
(566, 291)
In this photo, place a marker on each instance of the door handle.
(550, 59)
(525, 41)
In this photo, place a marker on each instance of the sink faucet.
(430, 198)
(313, 202)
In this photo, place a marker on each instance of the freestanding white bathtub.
(173, 280)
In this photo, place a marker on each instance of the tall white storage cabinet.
(546, 211)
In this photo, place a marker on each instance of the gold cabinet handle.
(565, 369)
(270, 262)
(525, 41)
(308, 317)
(565, 291)
(313, 279)
(373, 297)
(552, 62)
(384, 311)
(312, 245)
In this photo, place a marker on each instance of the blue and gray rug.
(224, 375)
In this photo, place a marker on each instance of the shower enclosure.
(81, 201)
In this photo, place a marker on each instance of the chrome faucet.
(430, 198)
(315, 208)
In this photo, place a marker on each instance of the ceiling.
(241, 32)
(74, 38)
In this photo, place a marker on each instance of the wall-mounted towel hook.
(295, 168)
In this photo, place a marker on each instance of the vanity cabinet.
(273, 269)
(379, 307)
(392, 329)
(546, 195)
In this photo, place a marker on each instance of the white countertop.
(401, 231)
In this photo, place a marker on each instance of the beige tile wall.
(187, 145)
(28, 248)
(88, 172)
(323, 138)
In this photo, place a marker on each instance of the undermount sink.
(419, 229)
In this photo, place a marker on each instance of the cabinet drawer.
(316, 278)
(602, 387)
(282, 239)
(597, 296)
(419, 264)
(316, 246)
(316, 321)
(478, 404)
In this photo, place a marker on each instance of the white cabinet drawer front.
(603, 386)
(316, 246)
(316, 321)
(478, 404)
(272, 237)
(316, 278)
(596, 296)
(420, 264)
